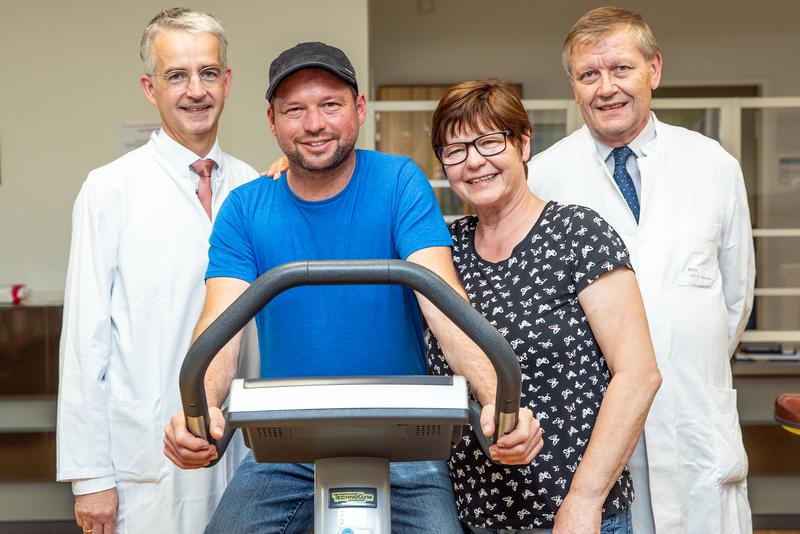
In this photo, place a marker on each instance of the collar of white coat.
(181, 158)
(641, 144)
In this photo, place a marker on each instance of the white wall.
(706, 41)
(70, 79)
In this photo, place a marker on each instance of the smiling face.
(613, 82)
(315, 117)
(488, 183)
(189, 115)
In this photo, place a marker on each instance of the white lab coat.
(693, 256)
(135, 289)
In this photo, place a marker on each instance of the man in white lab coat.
(678, 201)
(135, 288)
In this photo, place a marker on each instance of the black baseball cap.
(310, 55)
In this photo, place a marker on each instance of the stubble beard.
(335, 160)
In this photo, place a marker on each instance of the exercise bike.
(350, 428)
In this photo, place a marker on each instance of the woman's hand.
(578, 516)
(518, 447)
(277, 168)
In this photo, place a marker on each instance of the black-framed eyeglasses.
(489, 144)
(179, 79)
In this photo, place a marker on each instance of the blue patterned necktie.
(624, 180)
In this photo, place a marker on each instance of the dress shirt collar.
(180, 156)
(645, 136)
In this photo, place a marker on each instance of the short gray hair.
(182, 19)
(603, 21)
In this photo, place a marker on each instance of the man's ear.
(271, 119)
(361, 108)
(228, 81)
(655, 71)
(146, 83)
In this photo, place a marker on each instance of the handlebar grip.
(200, 427)
(484, 441)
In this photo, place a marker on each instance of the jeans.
(279, 498)
(616, 524)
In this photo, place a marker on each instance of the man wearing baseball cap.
(333, 203)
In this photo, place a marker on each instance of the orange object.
(787, 411)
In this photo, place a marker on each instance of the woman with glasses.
(556, 281)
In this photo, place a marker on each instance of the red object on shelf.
(13, 294)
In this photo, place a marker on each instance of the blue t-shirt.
(386, 211)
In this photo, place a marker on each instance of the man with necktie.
(678, 201)
(135, 288)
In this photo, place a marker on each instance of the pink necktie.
(203, 169)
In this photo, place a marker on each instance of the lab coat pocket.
(697, 257)
(136, 440)
(731, 458)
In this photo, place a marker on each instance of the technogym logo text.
(353, 498)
